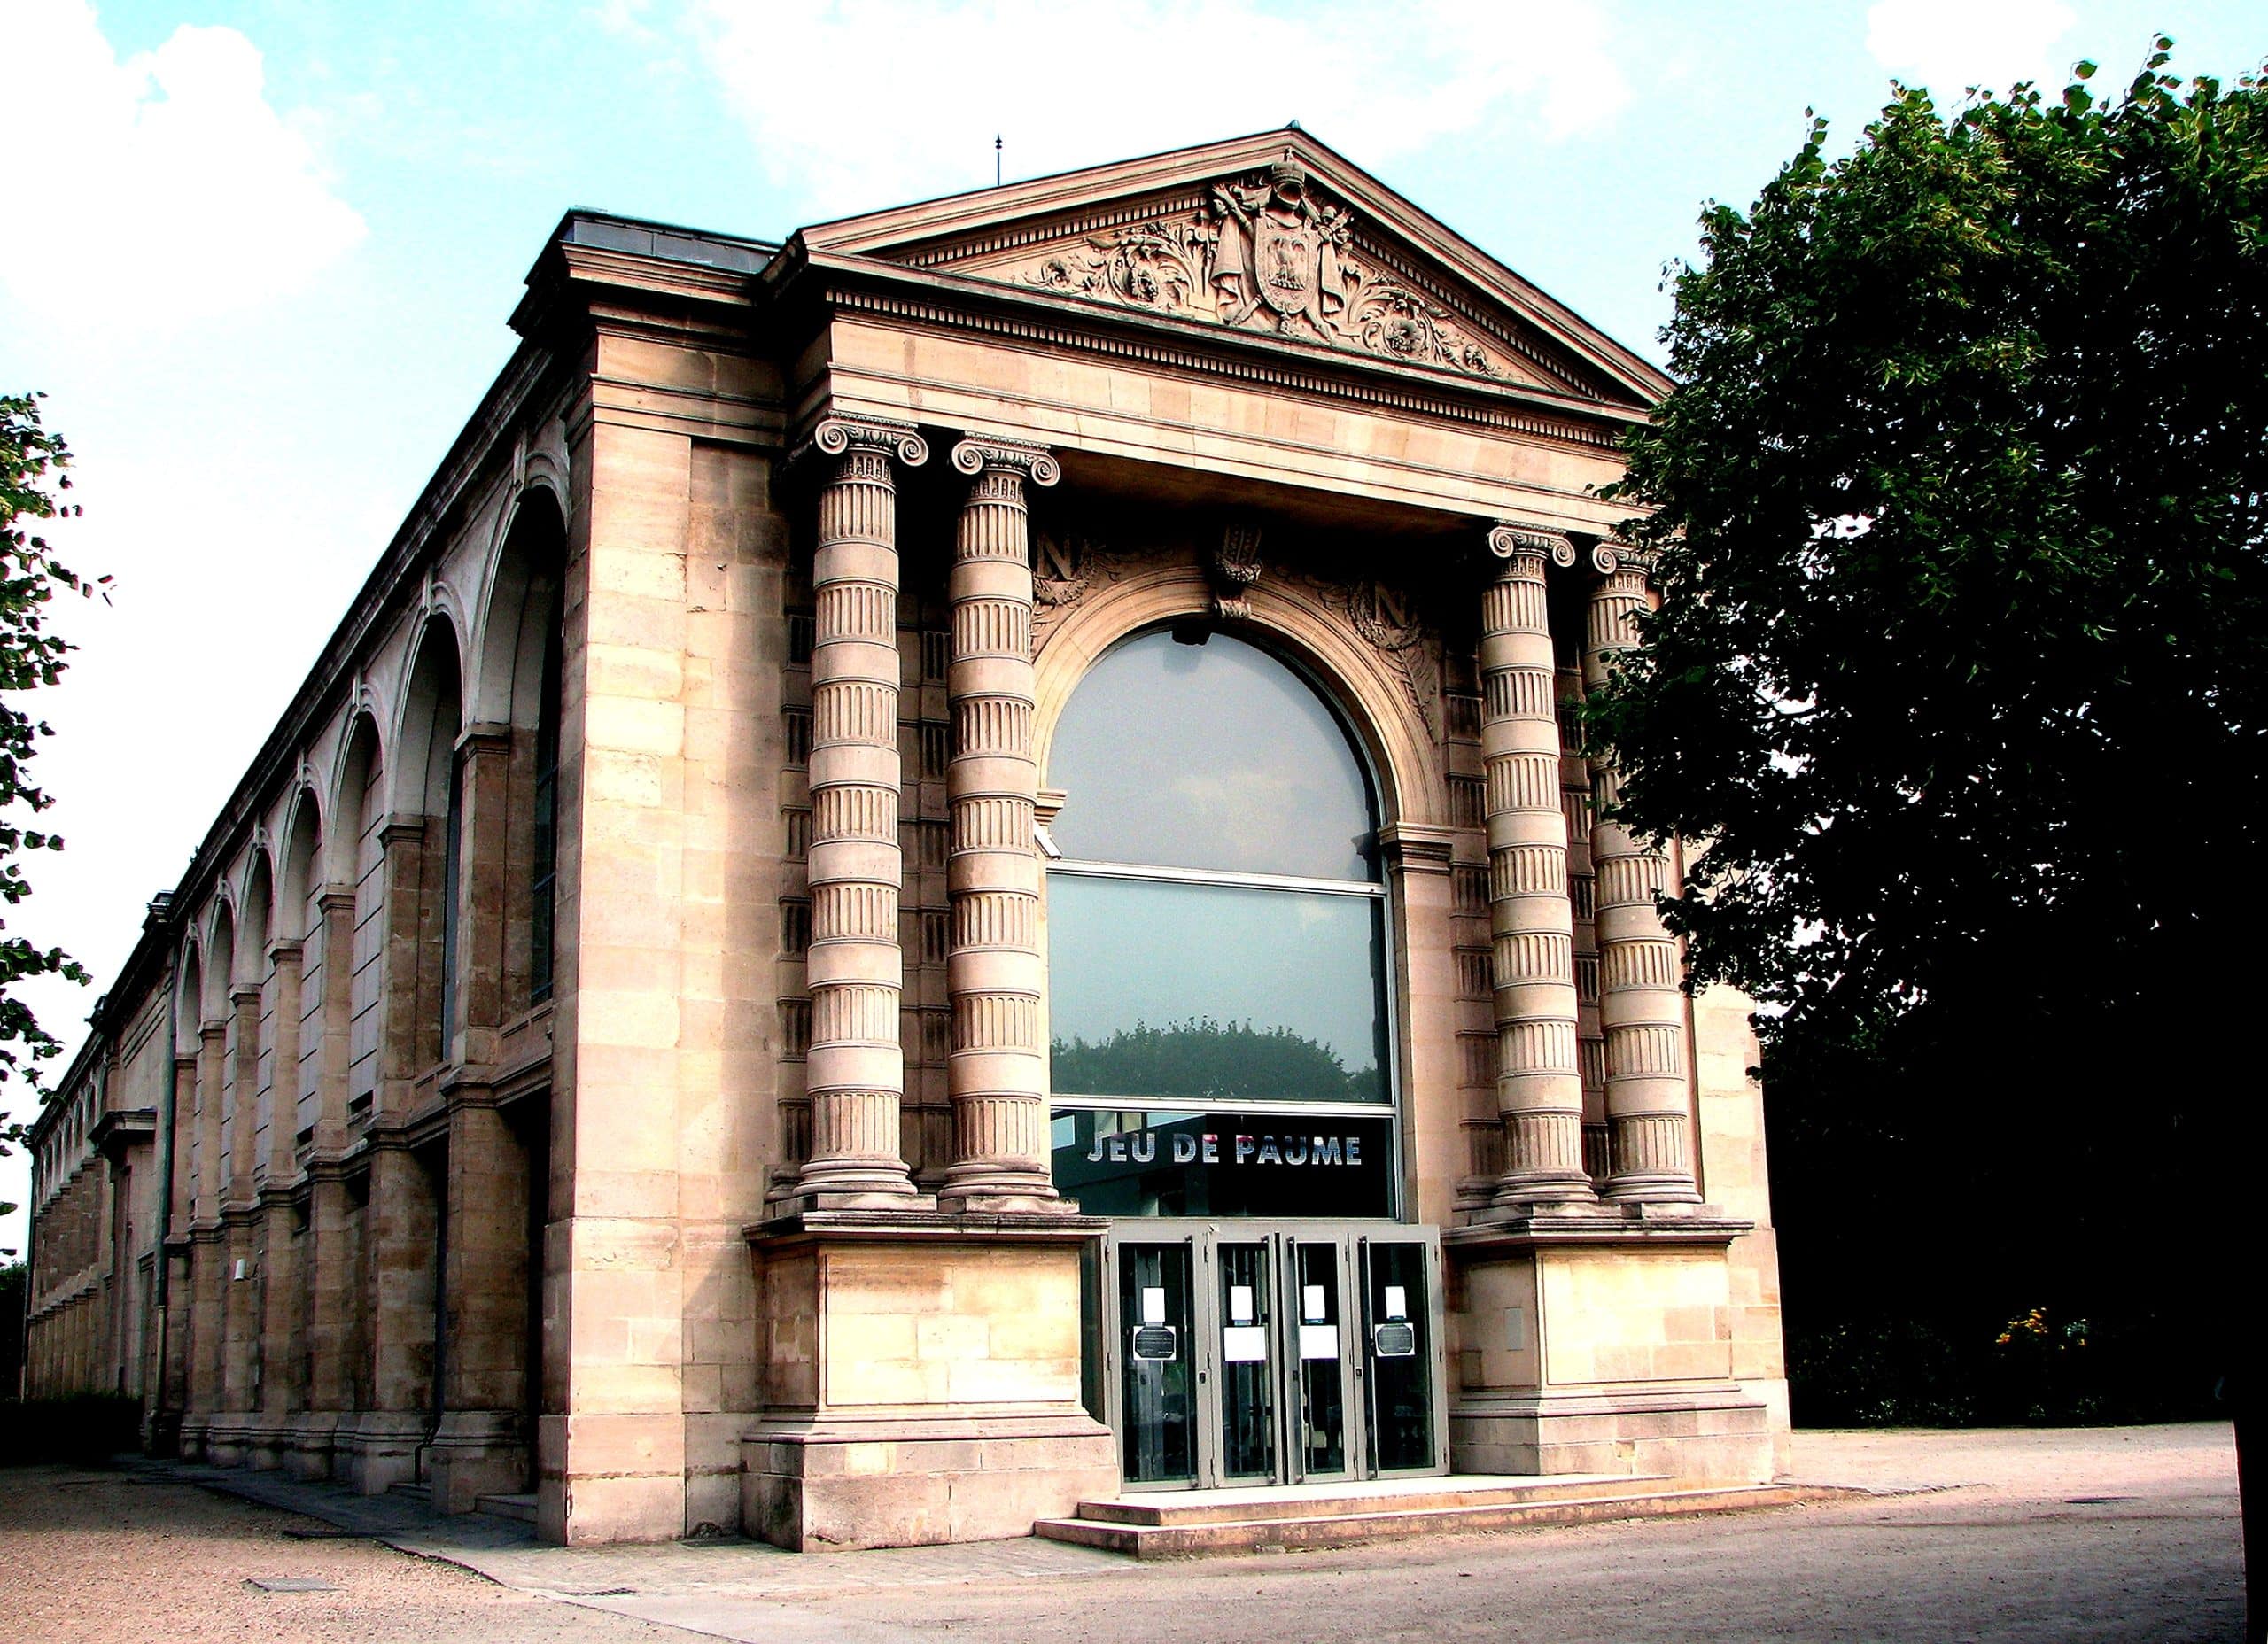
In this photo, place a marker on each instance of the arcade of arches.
(949, 868)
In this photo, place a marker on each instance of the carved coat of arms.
(1281, 250)
(1265, 254)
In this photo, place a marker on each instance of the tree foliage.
(1960, 508)
(33, 462)
(1960, 682)
(1217, 1061)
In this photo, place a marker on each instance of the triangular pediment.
(1273, 235)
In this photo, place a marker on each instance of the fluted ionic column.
(1539, 1089)
(856, 1068)
(996, 1071)
(1642, 1012)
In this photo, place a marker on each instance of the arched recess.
(211, 1075)
(257, 912)
(424, 787)
(299, 902)
(517, 685)
(180, 1165)
(356, 857)
(189, 999)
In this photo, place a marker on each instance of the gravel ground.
(2065, 1537)
(108, 1556)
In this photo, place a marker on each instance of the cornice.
(929, 230)
(965, 303)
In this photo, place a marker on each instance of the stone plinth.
(1602, 1348)
(922, 1380)
(473, 1453)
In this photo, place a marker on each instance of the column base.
(189, 1435)
(806, 1201)
(1651, 1190)
(228, 1438)
(271, 1439)
(998, 1198)
(378, 1450)
(476, 1453)
(307, 1446)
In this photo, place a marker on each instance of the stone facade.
(602, 1049)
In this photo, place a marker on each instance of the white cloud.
(1949, 45)
(160, 190)
(855, 104)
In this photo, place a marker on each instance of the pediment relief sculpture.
(1267, 253)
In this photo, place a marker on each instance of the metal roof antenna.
(995, 162)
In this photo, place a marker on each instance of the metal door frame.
(1352, 1241)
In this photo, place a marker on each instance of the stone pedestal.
(476, 1453)
(307, 1445)
(1575, 1349)
(921, 1380)
(377, 1449)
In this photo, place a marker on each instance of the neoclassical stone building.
(950, 867)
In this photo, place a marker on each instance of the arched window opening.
(1216, 940)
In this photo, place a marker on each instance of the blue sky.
(262, 257)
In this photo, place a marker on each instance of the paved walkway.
(2039, 1537)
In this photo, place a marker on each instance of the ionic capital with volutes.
(1511, 539)
(978, 452)
(834, 436)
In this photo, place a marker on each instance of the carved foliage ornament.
(1265, 254)
(1232, 569)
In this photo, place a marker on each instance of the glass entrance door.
(1252, 1354)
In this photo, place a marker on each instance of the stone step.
(519, 1507)
(1232, 1506)
(422, 1493)
(1379, 1522)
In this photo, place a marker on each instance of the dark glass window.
(1212, 756)
(1217, 924)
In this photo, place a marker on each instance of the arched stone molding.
(1289, 618)
(362, 759)
(255, 912)
(429, 714)
(220, 923)
(523, 585)
(189, 1001)
(524, 593)
(300, 863)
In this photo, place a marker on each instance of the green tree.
(1202, 1057)
(33, 462)
(1960, 514)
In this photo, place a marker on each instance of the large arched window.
(1216, 942)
